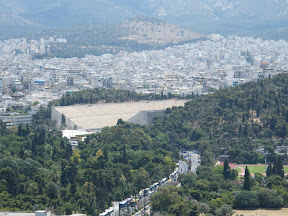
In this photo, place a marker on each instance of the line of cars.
(107, 212)
(172, 179)
(143, 197)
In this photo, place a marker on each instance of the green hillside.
(239, 119)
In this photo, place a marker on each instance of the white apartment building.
(15, 120)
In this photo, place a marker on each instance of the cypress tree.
(27, 130)
(63, 120)
(22, 153)
(243, 117)
(68, 151)
(279, 168)
(34, 149)
(226, 170)
(63, 179)
(247, 180)
(43, 136)
(269, 170)
(19, 133)
(124, 155)
(54, 154)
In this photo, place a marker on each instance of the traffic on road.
(141, 202)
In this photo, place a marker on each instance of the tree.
(279, 167)
(188, 181)
(247, 180)
(246, 200)
(269, 170)
(64, 178)
(226, 170)
(12, 180)
(203, 208)
(163, 198)
(183, 207)
(215, 204)
(269, 199)
(13, 89)
(140, 178)
(224, 210)
(207, 158)
(124, 154)
(276, 180)
(167, 199)
(20, 132)
(234, 174)
(52, 190)
(63, 121)
(34, 148)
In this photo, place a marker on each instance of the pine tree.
(247, 180)
(226, 170)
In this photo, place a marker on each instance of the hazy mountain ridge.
(137, 34)
(206, 16)
(150, 31)
(225, 8)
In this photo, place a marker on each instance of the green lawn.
(259, 169)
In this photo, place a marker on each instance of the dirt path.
(242, 171)
(262, 212)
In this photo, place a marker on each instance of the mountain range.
(205, 16)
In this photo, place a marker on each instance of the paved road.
(183, 167)
(193, 158)
(195, 162)
(147, 210)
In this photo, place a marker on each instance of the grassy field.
(258, 168)
(262, 212)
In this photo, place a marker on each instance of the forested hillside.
(239, 119)
(39, 169)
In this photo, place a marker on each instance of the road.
(193, 158)
(146, 210)
(183, 167)
(195, 162)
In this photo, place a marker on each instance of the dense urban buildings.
(30, 80)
